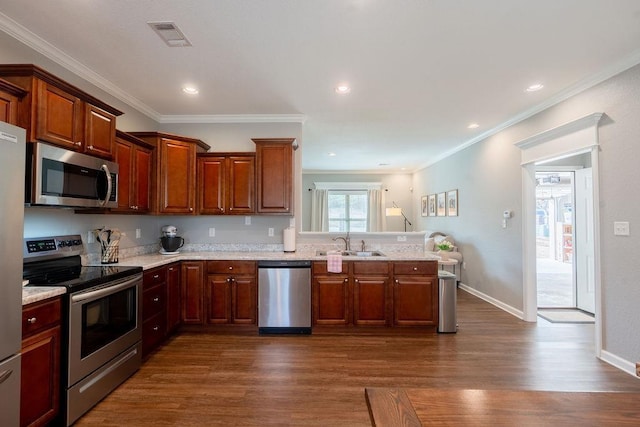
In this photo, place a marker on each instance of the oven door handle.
(107, 290)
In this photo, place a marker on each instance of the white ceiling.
(420, 70)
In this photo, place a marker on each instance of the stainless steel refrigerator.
(12, 164)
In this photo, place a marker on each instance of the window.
(347, 210)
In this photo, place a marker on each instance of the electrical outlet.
(638, 369)
(464, 265)
(270, 232)
(402, 238)
(91, 238)
(212, 232)
(138, 233)
(247, 220)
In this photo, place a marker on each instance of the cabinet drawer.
(415, 267)
(153, 332)
(154, 300)
(371, 267)
(320, 267)
(155, 276)
(40, 315)
(231, 267)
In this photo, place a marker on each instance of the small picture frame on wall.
(431, 205)
(452, 203)
(423, 204)
(442, 204)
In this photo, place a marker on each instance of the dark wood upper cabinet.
(226, 183)
(274, 157)
(10, 96)
(175, 178)
(135, 158)
(61, 114)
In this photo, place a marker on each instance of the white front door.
(584, 241)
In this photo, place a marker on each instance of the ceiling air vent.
(170, 33)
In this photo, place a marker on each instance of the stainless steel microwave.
(59, 177)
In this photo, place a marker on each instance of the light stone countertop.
(150, 261)
(31, 294)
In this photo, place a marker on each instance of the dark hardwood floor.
(240, 378)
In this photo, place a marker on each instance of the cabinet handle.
(32, 320)
(170, 268)
(156, 328)
(155, 276)
(156, 299)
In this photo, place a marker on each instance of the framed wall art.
(452, 203)
(423, 205)
(431, 205)
(442, 204)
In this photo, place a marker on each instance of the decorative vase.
(444, 255)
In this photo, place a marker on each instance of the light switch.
(212, 232)
(621, 228)
(247, 220)
(271, 231)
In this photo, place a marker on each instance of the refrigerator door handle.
(4, 375)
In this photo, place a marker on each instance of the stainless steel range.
(101, 346)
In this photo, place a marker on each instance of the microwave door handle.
(105, 168)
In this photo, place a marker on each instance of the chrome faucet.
(346, 240)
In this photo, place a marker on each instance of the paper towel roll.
(290, 239)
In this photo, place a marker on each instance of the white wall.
(488, 178)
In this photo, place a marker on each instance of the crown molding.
(234, 118)
(587, 83)
(58, 56)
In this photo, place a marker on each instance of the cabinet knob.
(190, 209)
(415, 268)
(230, 268)
(155, 276)
(79, 143)
(357, 281)
(230, 209)
(32, 320)
(170, 268)
(156, 299)
(346, 280)
(90, 147)
(397, 281)
(156, 328)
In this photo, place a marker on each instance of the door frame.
(576, 137)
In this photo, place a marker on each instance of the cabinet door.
(211, 185)
(40, 379)
(8, 108)
(331, 300)
(123, 157)
(99, 132)
(192, 292)
(415, 300)
(173, 297)
(141, 187)
(370, 296)
(274, 176)
(177, 177)
(244, 296)
(218, 299)
(59, 117)
(241, 184)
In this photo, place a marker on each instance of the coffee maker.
(170, 241)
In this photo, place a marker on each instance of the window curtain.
(319, 210)
(375, 214)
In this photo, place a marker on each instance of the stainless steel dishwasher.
(284, 297)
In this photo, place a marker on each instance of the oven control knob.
(68, 242)
(77, 242)
(62, 244)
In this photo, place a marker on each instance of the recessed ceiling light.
(535, 87)
(473, 126)
(343, 89)
(190, 90)
(331, 154)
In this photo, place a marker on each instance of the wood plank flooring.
(240, 378)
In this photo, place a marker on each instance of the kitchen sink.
(354, 253)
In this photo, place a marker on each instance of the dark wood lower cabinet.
(232, 292)
(331, 296)
(192, 293)
(371, 301)
(40, 362)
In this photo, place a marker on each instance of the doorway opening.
(554, 240)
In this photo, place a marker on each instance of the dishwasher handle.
(284, 264)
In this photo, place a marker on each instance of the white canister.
(289, 239)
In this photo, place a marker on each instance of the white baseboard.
(502, 306)
(619, 362)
